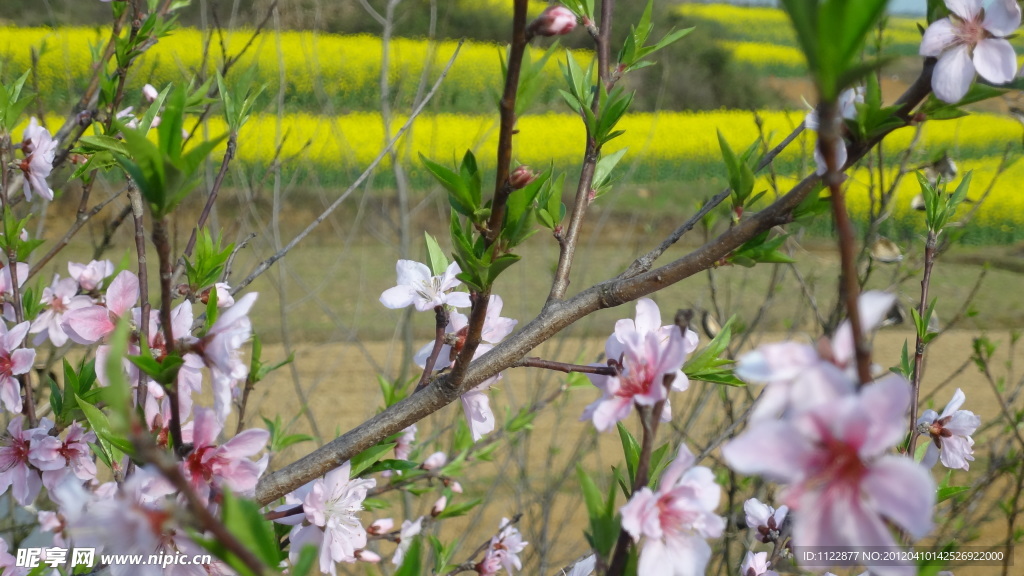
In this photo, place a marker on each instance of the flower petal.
(995, 60)
(965, 9)
(1002, 17)
(123, 293)
(938, 37)
(953, 75)
(903, 491)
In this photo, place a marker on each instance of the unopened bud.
(149, 92)
(381, 526)
(367, 556)
(435, 460)
(439, 506)
(554, 21)
(521, 177)
(456, 487)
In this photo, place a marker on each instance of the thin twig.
(563, 367)
(80, 220)
(440, 323)
(922, 307)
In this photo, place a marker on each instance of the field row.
(662, 148)
(325, 72)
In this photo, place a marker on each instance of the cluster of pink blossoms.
(138, 516)
(829, 442)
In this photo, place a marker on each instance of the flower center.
(6, 365)
(970, 32)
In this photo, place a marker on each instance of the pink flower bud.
(554, 21)
(381, 526)
(521, 177)
(367, 556)
(439, 506)
(149, 92)
(456, 487)
(435, 460)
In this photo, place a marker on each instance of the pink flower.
(91, 324)
(950, 433)
(677, 519)
(435, 460)
(149, 93)
(190, 377)
(756, 564)
(219, 349)
(554, 21)
(503, 550)
(382, 526)
(14, 361)
(226, 465)
(475, 403)
(416, 286)
(38, 162)
(971, 40)
(90, 276)
(439, 506)
(646, 354)
(367, 556)
(8, 562)
(842, 484)
(800, 376)
(767, 521)
(60, 297)
(15, 469)
(409, 531)
(331, 508)
(59, 459)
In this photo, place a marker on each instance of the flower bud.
(381, 526)
(456, 487)
(554, 21)
(439, 506)
(521, 177)
(149, 92)
(435, 460)
(367, 556)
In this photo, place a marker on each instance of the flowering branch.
(163, 252)
(556, 316)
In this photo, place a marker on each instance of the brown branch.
(163, 252)
(829, 141)
(507, 106)
(440, 323)
(138, 214)
(922, 307)
(563, 367)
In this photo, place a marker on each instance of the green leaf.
(946, 492)
(435, 256)
(459, 195)
(368, 457)
(631, 450)
(101, 426)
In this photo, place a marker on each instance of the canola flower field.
(677, 150)
(317, 71)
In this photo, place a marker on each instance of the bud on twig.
(381, 526)
(521, 177)
(554, 21)
(439, 506)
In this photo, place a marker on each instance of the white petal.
(995, 60)
(966, 9)
(411, 272)
(953, 75)
(903, 492)
(954, 404)
(1002, 17)
(939, 36)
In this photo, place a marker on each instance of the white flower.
(39, 148)
(418, 287)
(409, 531)
(971, 40)
(950, 433)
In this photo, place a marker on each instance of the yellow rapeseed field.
(313, 67)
